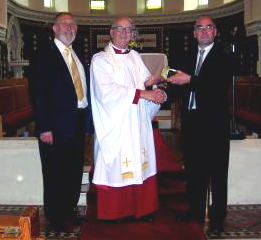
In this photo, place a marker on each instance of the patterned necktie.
(75, 73)
(192, 98)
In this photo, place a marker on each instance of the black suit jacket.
(54, 96)
(211, 126)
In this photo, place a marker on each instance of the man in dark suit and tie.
(204, 84)
(60, 89)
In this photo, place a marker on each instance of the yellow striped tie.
(75, 73)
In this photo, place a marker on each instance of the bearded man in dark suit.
(61, 100)
(204, 84)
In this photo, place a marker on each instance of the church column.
(258, 66)
(253, 25)
(255, 29)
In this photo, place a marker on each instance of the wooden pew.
(15, 106)
(248, 102)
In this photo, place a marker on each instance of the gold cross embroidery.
(144, 153)
(127, 162)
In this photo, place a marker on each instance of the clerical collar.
(120, 51)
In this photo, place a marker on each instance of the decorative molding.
(253, 28)
(144, 19)
(190, 16)
(23, 12)
(2, 34)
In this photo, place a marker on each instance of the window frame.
(51, 3)
(154, 10)
(202, 5)
(98, 10)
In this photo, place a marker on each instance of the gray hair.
(114, 22)
(61, 14)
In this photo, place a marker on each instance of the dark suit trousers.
(62, 168)
(205, 160)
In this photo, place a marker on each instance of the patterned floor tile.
(242, 222)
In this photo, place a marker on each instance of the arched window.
(153, 4)
(49, 3)
(202, 2)
(97, 5)
(194, 4)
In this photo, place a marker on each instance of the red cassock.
(133, 200)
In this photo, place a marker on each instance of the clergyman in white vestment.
(124, 152)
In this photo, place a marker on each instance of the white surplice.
(124, 152)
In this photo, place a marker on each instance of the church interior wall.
(173, 38)
(118, 6)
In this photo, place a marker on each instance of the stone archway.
(14, 40)
(15, 44)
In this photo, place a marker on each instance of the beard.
(67, 40)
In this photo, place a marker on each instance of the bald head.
(208, 17)
(205, 31)
(121, 32)
(119, 19)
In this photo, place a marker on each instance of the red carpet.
(167, 161)
(164, 226)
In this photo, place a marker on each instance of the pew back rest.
(15, 104)
(248, 102)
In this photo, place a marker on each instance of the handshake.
(167, 76)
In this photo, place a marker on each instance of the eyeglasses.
(63, 24)
(121, 29)
(200, 28)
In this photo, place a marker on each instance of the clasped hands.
(156, 95)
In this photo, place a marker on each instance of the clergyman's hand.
(159, 96)
(153, 80)
(180, 78)
(47, 137)
(156, 95)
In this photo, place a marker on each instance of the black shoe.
(188, 217)
(58, 227)
(110, 221)
(79, 220)
(149, 218)
(117, 221)
(216, 229)
(184, 217)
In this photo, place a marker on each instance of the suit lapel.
(209, 58)
(194, 62)
(60, 63)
